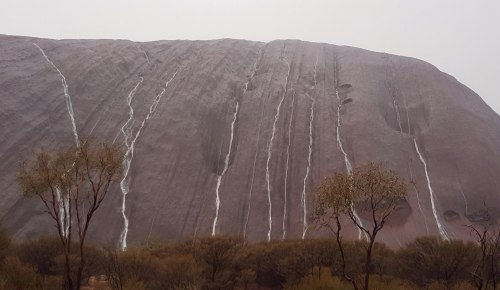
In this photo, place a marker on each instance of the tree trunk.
(368, 263)
(80, 270)
(68, 284)
(342, 255)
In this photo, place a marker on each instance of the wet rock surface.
(213, 122)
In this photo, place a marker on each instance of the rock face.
(231, 136)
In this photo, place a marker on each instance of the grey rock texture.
(396, 110)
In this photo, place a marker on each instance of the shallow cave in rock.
(451, 215)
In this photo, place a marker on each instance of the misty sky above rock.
(460, 37)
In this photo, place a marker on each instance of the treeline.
(230, 263)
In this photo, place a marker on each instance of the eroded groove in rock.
(250, 191)
(393, 91)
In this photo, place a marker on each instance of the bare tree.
(487, 270)
(371, 190)
(72, 183)
(114, 269)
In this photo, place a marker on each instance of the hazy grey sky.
(460, 37)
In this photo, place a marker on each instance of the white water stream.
(398, 116)
(287, 166)
(339, 141)
(226, 161)
(442, 230)
(308, 169)
(395, 104)
(309, 155)
(63, 203)
(250, 192)
(270, 147)
(245, 90)
(129, 140)
(146, 55)
(412, 179)
(69, 104)
(465, 199)
(226, 166)
(348, 164)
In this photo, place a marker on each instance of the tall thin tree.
(371, 190)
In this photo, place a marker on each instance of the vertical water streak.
(63, 202)
(287, 165)
(465, 200)
(226, 166)
(130, 139)
(398, 116)
(441, 228)
(309, 154)
(395, 104)
(459, 180)
(69, 104)
(270, 146)
(126, 130)
(339, 141)
(410, 167)
(250, 192)
(146, 55)
(348, 164)
(412, 178)
(63, 212)
(254, 71)
(407, 117)
(389, 82)
(306, 177)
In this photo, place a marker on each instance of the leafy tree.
(72, 184)
(372, 190)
